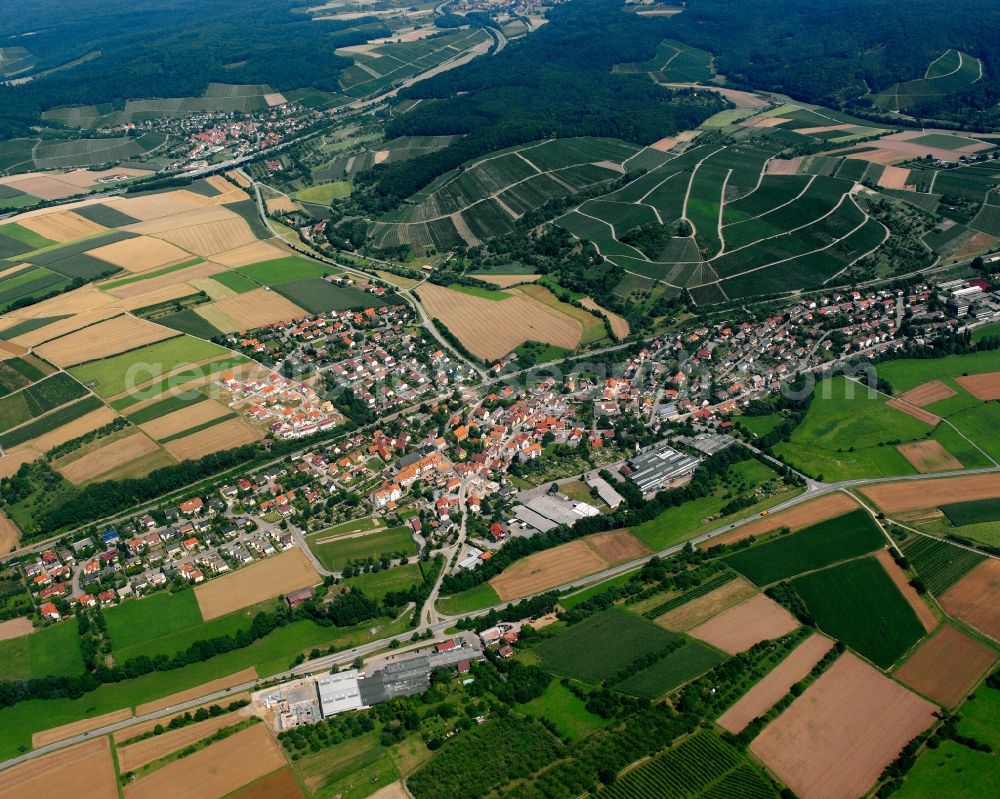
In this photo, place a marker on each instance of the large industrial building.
(658, 468)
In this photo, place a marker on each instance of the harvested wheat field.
(924, 614)
(184, 419)
(61, 327)
(984, 387)
(62, 226)
(155, 206)
(617, 547)
(283, 205)
(225, 435)
(947, 666)
(805, 514)
(187, 216)
(492, 328)
(104, 339)
(249, 310)
(926, 393)
(53, 438)
(215, 771)
(108, 458)
(915, 411)
(240, 677)
(239, 178)
(929, 456)
(15, 628)
(85, 298)
(86, 771)
(776, 684)
(853, 715)
(506, 281)
(9, 536)
(140, 254)
(702, 608)
(172, 281)
(752, 621)
(142, 752)
(618, 325)
(249, 254)
(265, 579)
(162, 294)
(61, 733)
(975, 598)
(282, 785)
(920, 494)
(211, 237)
(547, 569)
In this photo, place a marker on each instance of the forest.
(150, 49)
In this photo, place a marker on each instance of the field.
(278, 785)
(108, 458)
(902, 581)
(320, 296)
(805, 514)
(213, 771)
(225, 435)
(52, 650)
(102, 340)
(184, 419)
(35, 400)
(701, 765)
(266, 579)
(952, 72)
(814, 547)
(249, 310)
(984, 387)
(974, 598)
(691, 660)
(939, 564)
(482, 596)
(907, 496)
(974, 512)
(378, 584)
(137, 755)
(564, 709)
(64, 731)
(857, 603)
(246, 675)
(56, 428)
(491, 329)
(739, 628)
(140, 254)
(702, 608)
(851, 714)
(776, 684)
(89, 767)
(601, 645)
(947, 666)
(929, 456)
(284, 270)
(335, 551)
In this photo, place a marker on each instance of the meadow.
(481, 596)
(565, 710)
(857, 603)
(52, 650)
(284, 270)
(339, 551)
(814, 547)
(378, 584)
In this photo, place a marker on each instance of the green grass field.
(378, 584)
(565, 710)
(481, 596)
(110, 376)
(677, 668)
(954, 770)
(857, 603)
(320, 296)
(980, 424)
(284, 270)
(325, 193)
(51, 651)
(601, 645)
(814, 547)
(336, 554)
(907, 374)
(234, 281)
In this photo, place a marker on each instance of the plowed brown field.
(919, 494)
(984, 387)
(915, 411)
(61, 733)
(616, 547)
(547, 569)
(752, 621)
(139, 754)
(225, 435)
(899, 577)
(975, 598)
(87, 767)
(947, 666)
(926, 393)
(802, 515)
(929, 456)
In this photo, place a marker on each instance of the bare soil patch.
(669, 142)
(225, 435)
(701, 609)
(394, 791)
(984, 387)
(916, 412)
(929, 456)
(249, 310)
(492, 328)
(199, 690)
(618, 325)
(15, 628)
(619, 546)
(947, 667)
(108, 458)
(102, 340)
(547, 569)
(62, 226)
(926, 393)
(739, 628)
(279, 574)
(215, 771)
(282, 785)
(924, 614)
(139, 754)
(61, 733)
(506, 281)
(184, 419)
(776, 684)
(249, 254)
(852, 715)
(802, 515)
(893, 177)
(920, 494)
(9, 536)
(975, 598)
(140, 254)
(87, 767)
(784, 166)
